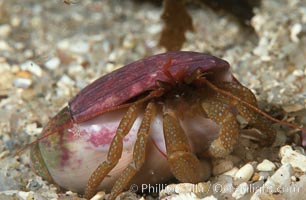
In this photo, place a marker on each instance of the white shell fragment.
(297, 160)
(265, 166)
(31, 67)
(244, 173)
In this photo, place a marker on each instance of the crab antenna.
(214, 87)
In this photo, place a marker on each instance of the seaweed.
(176, 22)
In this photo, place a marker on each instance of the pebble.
(5, 30)
(300, 189)
(244, 173)
(3, 154)
(22, 83)
(293, 108)
(15, 194)
(210, 198)
(241, 190)
(255, 177)
(167, 191)
(295, 31)
(31, 67)
(266, 165)
(126, 195)
(79, 47)
(32, 129)
(28, 53)
(53, 63)
(231, 172)
(281, 138)
(183, 196)
(34, 184)
(65, 81)
(223, 185)
(26, 195)
(4, 46)
(64, 85)
(263, 175)
(202, 188)
(185, 188)
(63, 44)
(221, 165)
(280, 179)
(297, 160)
(299, 74)
(98, 196)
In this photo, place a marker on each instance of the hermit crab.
(146, 122)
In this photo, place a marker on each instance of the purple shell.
(135, 78)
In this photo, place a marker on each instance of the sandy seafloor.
(50, 50)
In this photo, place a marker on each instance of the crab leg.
(184, 165)
(254, 119)
(264, 126)
(114, 153)
(221, 114)
(245, 101)
(139, 152)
